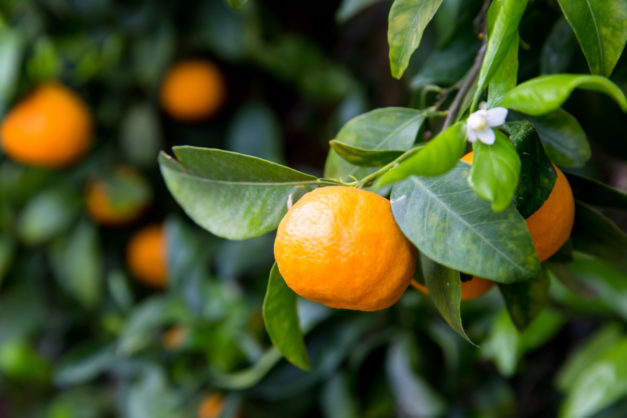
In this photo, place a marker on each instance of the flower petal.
(486, 136)
(471, 134)
(496, 117)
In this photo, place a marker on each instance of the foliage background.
(80, 338)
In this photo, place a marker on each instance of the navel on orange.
(146, 255)
(340, 246)
(192, 90)
(49, 128)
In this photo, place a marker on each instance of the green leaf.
(453, 226)
(140, 135)
(19, 360)
(48, 214)
(503, 19)
(364, 157)
(255, 131)
(563, 137)
(336, 398)
(391, 128)
(448, 65)
(596, 235)
(232, 195)
(77, 264)
(414, 396)
(557, 51)
(10, 56)
(495, 171)
(350, 8)
(600, 29)
(599, 385)
(537, 174)
(7, 251)
(525, 301)
(546, 93)
(281, 318)
(407, 21)
(505, 77)
(84, 363)
(595, 193)
(502, 344)
(237, 4)
(590, 350)
(445, 290)
(436, 157)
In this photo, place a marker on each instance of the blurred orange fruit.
(471, 289)
(340, 246)
(51, 128)
(211, 406)
(192, 90)
(119, 199)
(174, 337)
(550, 226)
(147, 256)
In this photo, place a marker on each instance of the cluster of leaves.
(462, 219)
(79, 338)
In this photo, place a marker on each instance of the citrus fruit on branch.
(146, 255)
(341, 246)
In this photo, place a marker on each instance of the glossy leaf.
(350, 8)
(437, 156)
(558, 49)
(364, 157)
(503, 19)
(495, 171)
(595, 193)
(407, 21)
(544, 94)
(563, 137)
(445, 290)
(537, 174)
(453, 226)
(600, 29)
(391, 128)
(414, 396)
(603, 382)
(232, 195)
(506, 75)
(281, 318)
(596, 235)
(525, 301)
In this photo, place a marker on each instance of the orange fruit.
(550, 226)
(341, 247)
(174, 337)
(211, 406)
(192, 90)
(49, 128)
(119, 199)
(147, 256)
(471, 289)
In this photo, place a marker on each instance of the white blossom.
(480, 123)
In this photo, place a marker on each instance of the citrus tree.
(450, 239)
